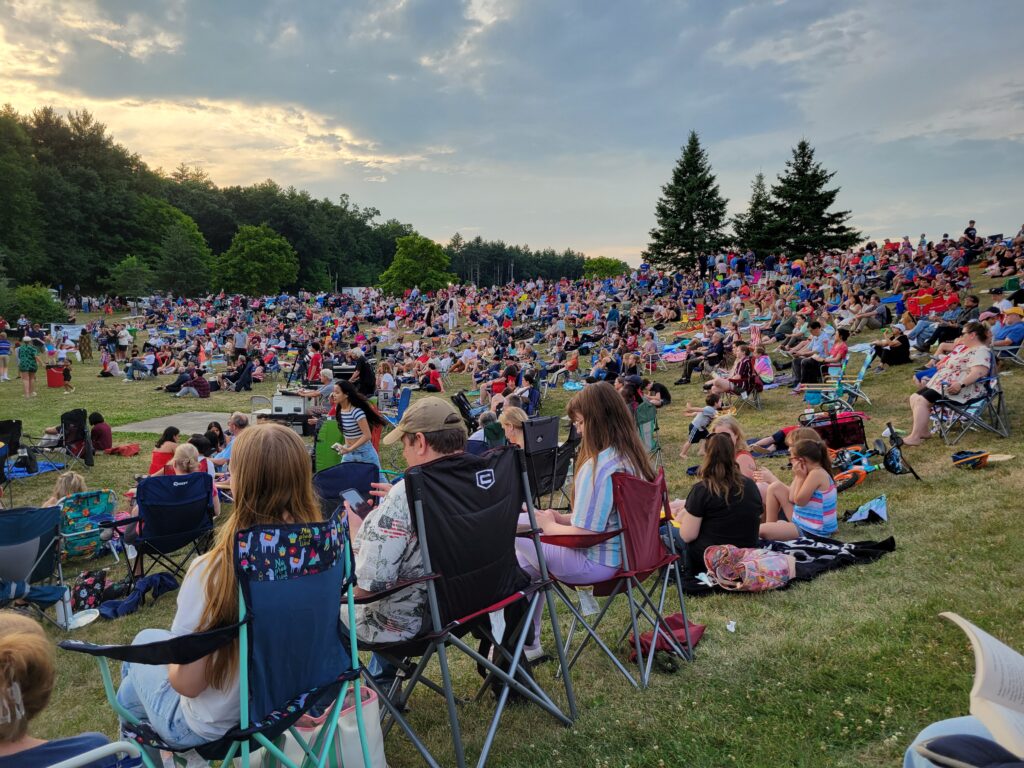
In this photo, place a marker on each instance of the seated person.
(657, 394)
(27, 673)
(712, 355)
(956, 378)
(102, 437)
(810, 499)
(893, 348)
(191, 704)
(1010, 331)
(723, 507)
(384, 544)
(721, 385)
(196, 386)
(65, 485)
(610, 444)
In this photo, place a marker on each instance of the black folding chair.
(548, 471)
(74, 442)
(331, 482)
(175, 519)
(10, 436)
(465, 511)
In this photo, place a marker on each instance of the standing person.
(5, 355)
(190, 704)
(356, 419)
(66, 375)
(29, 361)
(610, 443)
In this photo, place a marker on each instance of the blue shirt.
(1014, 333)
(594, 506)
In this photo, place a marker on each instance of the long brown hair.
(608, 424)
(815, 451)
(272, 484)
(719, 471)
(26, 660)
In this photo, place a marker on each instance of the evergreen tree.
(755, 229)
(185, 260)
(800, 206)
(691, 212)
(131, 277)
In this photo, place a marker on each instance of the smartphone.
(360, 506)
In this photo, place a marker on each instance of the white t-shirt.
(213, 712)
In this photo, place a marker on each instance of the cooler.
(54, 376)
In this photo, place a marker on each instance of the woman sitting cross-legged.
(26, 682)
(723, 507)
(610, 444)
(190, 704)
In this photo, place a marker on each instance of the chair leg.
(453, 714)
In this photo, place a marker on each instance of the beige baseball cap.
(430, 414)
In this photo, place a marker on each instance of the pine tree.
(691, 212)
(755, 230)
(800, 207)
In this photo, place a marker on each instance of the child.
(812, 495)
(66, 371)
(701, 421)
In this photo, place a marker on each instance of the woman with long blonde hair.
(610, 443)
(189, 704)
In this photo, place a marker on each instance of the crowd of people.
(781, 321)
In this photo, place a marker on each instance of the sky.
(549, 122)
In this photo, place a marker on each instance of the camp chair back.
(646, 417)
(985, 413)
(749, 386)
(175, 520)
(548, 472)
(494, 435)
(461, 402)
(476, 447)
(29, 554)
(81, 517)
(329, 483)
(854, 390)
(10, 435)
(286, 594)
(75, 442)
(846, 391)
(324, 455)
(455, 500)
(641, 507)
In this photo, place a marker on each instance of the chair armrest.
(95, 755)
(177, 650)
(580, 540)
(372, 598)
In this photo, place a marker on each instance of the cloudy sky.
(549, 122)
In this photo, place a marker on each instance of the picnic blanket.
(20, 473)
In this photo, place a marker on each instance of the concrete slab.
(189, 422)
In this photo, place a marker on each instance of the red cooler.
(54, 376)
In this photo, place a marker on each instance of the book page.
(999, 670)
(997, 698)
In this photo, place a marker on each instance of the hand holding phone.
(356, 503)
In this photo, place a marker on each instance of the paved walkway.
(189, 423)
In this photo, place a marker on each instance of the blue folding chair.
(175, 519)
(329, 483)
(29, 555)
(277, 685)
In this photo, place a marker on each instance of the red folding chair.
(642, 509)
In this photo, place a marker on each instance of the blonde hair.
(68, 483)
(273, 484)
(186, 459)
(26, 673)
(513, 416)
(732, 424)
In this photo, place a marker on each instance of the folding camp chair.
(1011, 354)
(30, 566)
(282, 602)
(646, 417)
(331, 482)
(468, 412)
(465, 512)
(393, 416)
(985, 413)
(549, 471)
(175, 520)
(5, 480)
(82, 516)
(10, 436)
(642, 508)
(74, 442)
(847, 392)
(94, 756)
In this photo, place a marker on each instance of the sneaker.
(682, 381)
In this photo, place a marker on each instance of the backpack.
(742, 569)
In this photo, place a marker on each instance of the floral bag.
(743, 569)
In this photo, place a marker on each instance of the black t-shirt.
(657, 388)
(735, 521)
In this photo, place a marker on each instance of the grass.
(842, 671)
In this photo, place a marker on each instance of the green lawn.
(842, 671)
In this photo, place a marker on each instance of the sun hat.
(1014, 311)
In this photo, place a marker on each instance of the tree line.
(794, 216)
(81, 211)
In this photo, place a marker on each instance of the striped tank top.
(349, 423)
(819, 514)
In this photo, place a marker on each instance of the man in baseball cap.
(385, 545)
